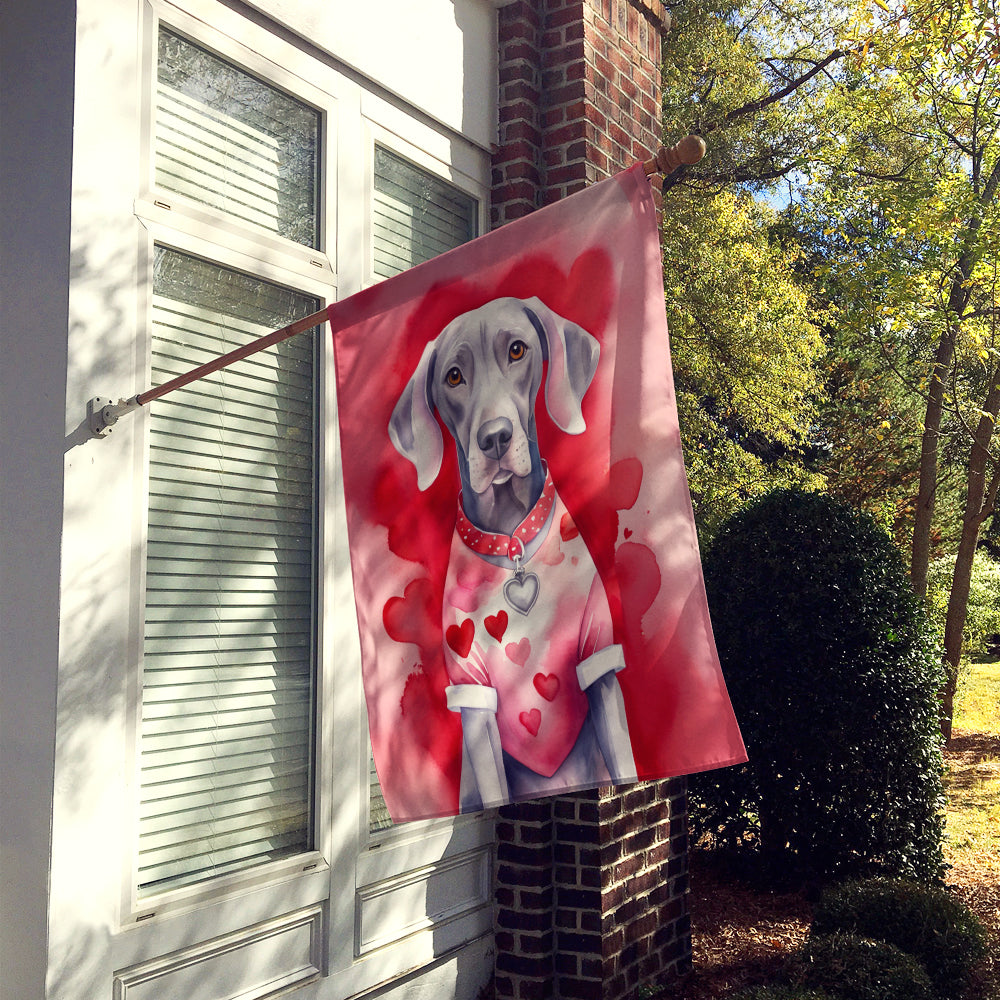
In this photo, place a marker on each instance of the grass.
(972, 848)
(973, 783)
(978, 698)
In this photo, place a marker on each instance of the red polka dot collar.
(512, 546)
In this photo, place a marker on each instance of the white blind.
(416, 216)
(228, 656)
(228, 140)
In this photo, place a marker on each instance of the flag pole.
(103, 413)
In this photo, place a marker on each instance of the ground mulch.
(742, 934)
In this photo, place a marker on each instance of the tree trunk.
(920, 554)
(958, 299)
(980, 498)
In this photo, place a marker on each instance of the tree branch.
(754, 106)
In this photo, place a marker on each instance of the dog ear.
(412, 428)
(572, 354)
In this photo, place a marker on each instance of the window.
(210, 821)
(416, 216)
(227, 140)
(228, 678)
(229, 646)
(252, 805)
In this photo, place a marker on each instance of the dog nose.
(494, 437)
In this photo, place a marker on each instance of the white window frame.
(177, 223)
(390, 859)
(350, 877)
(394, 131)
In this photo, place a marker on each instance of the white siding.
(438, 56)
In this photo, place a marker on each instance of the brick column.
(591, 889)
(579, 96)
(524, 901)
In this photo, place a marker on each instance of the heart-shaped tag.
(521, 592)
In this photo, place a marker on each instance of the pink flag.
(526, 570)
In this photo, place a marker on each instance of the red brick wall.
(591, 893)
(591, 889)
(579, 96)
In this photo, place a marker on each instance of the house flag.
(529, 593)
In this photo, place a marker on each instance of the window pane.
(228, 140)
(228, 655)
(416, 217)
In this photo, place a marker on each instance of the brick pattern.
(579, 96)
(591, 893)
(591, 889)
(524, 901)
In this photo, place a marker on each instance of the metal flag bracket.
(103, 413)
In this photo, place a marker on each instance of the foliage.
(746, 355)
(878, 126)
(911, 194)
(983, 615)
(857, 968)
(868, 427)
(833, 672)
(747, 77)
(926, 922)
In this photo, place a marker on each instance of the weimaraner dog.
(528, 635)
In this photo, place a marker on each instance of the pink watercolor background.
(594, 259)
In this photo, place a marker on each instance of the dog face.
(482, 374)
(486, 376)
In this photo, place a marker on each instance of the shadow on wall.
(95, 703)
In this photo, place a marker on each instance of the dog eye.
(454, 376)
(517, 350)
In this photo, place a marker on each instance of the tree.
(746, 75)
(746, 349)
(746, 355)
(982, 620)
(880, 121)
(913, 191)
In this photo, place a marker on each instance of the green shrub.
(833, 672)
(856, 968)
(926, 922)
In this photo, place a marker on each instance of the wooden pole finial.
(668, 158)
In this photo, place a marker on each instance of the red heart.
(460, 637)
(628, 532)
(567, 528)
(547, 685)
(531, 721)
(518, 652)
(496, 625)
(409, 618)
